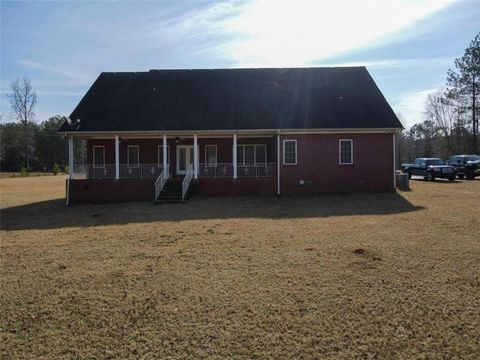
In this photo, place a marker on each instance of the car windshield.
(472, 158)
(435, 162)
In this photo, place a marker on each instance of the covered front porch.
(176, 157)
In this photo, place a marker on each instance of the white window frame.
(93, 156)
(160, 151)
(128, 156)
(242, 146)
(296, 152)
(206, 155)
(340, 152)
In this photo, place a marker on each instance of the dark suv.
(466, 165)
(430, 168)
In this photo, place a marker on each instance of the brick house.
(167, 133)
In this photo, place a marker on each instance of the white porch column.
(70, 157)
(195, 156)
(165, 152)
(234, 155)
(117, 157)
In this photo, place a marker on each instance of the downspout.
(278, 162)
(394, 164)
(70, 167)
(67, 200)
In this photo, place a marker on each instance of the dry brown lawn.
(246, 278)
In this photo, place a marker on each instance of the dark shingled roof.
(234, 99)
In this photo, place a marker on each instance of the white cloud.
(411, 105)
(73, 75)
(295, 33)
(396, 63)
(60, 93)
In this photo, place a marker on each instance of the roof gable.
(233, 99)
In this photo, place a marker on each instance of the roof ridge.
(263, 68)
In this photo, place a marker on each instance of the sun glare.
(296, 33)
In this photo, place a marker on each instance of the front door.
(184, 158)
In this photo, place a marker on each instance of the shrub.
(55, 169)
(24, 172)
(65, 169)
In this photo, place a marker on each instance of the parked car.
(466, 165)
(430, 169)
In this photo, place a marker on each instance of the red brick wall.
(318, 165)
(108, 191)
(230, 186)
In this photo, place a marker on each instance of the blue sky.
(62, 46)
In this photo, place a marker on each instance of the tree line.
(44, 150)
(450, 124)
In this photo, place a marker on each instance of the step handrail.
(186, 181)
(161, 180)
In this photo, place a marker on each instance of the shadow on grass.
(439, 181)
(54, 214)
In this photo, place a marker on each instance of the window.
(435, 162)
(289, 152)
(99, 156)
(132, 155)
(251, 154)
(240, 155)
(345, 152)
(160, 155)
(260, 154)
(211, 155)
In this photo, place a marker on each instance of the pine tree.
(464, 85)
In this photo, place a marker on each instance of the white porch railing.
(140, 171)
(186, 181)
(107, 171)
(89, 171)
(257, 170)
(160, 182)
(247, 170)
(153, 171)
(215, 170)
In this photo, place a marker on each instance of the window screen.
(249, 154)
(260, 154)
(98, 156)
(289, 152)
(255, 154)
(346, 151)
(240, 154)
(132, 156)
(211, 154)
(160, 155)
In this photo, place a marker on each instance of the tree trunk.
(26, 144)
(474, 120)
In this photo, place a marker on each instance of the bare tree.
(444, 116)
(22, 101)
